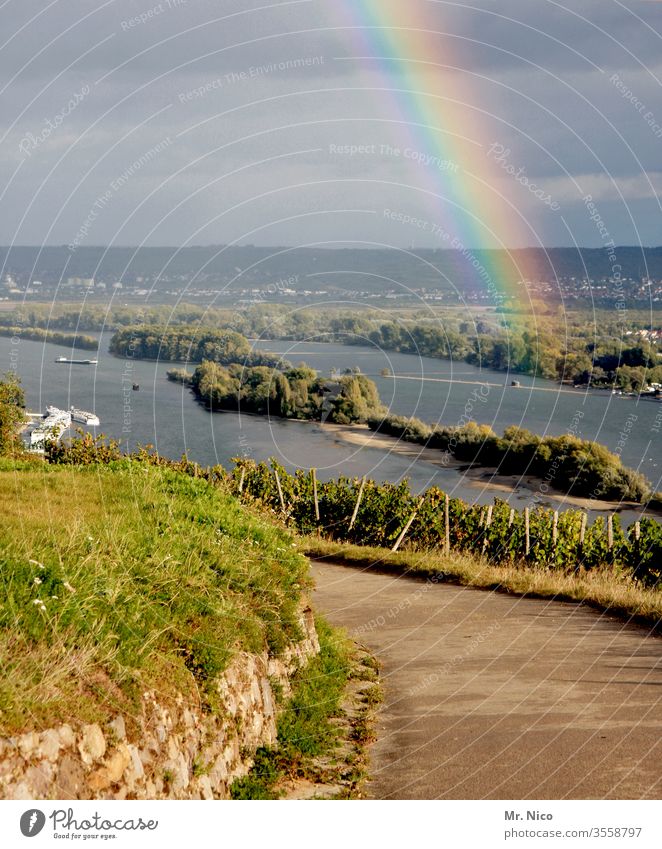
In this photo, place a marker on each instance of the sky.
(424, 123)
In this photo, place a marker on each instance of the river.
(165, 414)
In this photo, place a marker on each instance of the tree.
(12, 413)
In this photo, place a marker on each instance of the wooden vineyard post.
(488, 522)
(582, 536)
(447, 527)
(527, 546)
(511, 519)
(313, 473)
(555, 528)
(358, 502)
(610, 531)
(405, 529)
(241, 481)
(582, 530)
(280, 490)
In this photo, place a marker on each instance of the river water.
(165, 414)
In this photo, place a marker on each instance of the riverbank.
(483, 478)
(216, 439)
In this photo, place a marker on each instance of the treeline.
(578, 346)
(485, 343)
(605, 363)
(96, 317)
(55, 337)
(295, 393)
(188, 344)
(566, 463)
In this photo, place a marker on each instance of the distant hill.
(318, 268)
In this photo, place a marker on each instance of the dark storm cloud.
(571, 90)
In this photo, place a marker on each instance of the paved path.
(490, 696)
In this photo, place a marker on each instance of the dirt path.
(490, 696)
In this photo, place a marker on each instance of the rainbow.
(412, 55)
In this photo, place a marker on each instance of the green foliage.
(609, 362)
(579, 346)
(150, 576)
(567, 463)
(648, 552)
(305, 726)
(12, 412)
(179, 375)
(385, 508)
(187, 344)
(55, 337)
(260, 781)
(296, 393)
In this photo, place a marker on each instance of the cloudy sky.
(403, 122)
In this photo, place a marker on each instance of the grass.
(306, 730)
(125, 577)
(604, 589)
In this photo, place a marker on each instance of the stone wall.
(179, 752)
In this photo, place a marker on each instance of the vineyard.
(367, 513)
(389, 515)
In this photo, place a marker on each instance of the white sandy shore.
(480, 477)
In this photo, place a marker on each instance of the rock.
(218, 774)
(204, 787)
(135, 771)
(172, 748)
(20, 791)
(40, 778)
(92, 746)
(267, 699)
(257, 725)
(189, 719)
(98, 780)
(66, 735)
(49, 745)
(28, 743)
(182, 778)
(99, 762)
(9, 766)
(117, 762)
(112, 770)
(118, 728)
(147, 752)
(70, 778)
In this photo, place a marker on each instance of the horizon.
(347, 246)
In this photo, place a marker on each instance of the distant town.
(246, 274)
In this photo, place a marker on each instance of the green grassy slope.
(123, 577)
